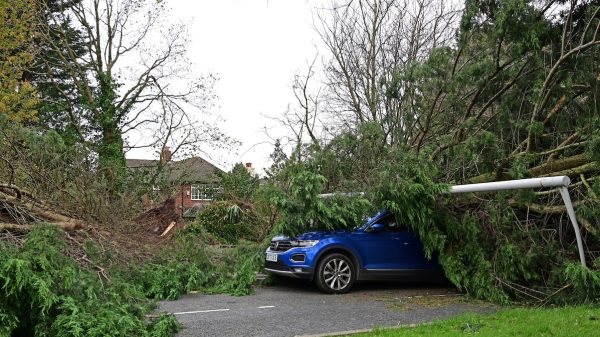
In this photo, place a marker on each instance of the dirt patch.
(427, 301)
(412, 298)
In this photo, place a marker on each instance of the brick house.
(196, 178)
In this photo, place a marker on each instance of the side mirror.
(376, 228)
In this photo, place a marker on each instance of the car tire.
(335, 274)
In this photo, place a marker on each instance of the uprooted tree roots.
(159, 217)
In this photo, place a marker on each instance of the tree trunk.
(110, 152)
(111, 156)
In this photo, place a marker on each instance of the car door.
(387, 249)
(393, 248)
(412, 256)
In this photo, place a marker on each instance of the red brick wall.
(183, 199)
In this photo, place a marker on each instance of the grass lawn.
(567, 321)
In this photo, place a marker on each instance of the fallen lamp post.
(562, 182)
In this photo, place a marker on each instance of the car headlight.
(305, 243)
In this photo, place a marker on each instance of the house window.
(204, 191)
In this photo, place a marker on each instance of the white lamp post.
(561, 182)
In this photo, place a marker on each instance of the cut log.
(546, 209)
(15, 227)
(573, 165)
(38, 211)
(67, 226)
(171, 225)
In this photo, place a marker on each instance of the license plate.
(271, 257)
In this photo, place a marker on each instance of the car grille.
(280, 246)
(279, 265)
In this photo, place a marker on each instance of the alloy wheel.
(337, 274)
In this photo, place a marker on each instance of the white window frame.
(203, 192)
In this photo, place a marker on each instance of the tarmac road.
(295, 308)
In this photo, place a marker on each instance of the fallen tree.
(503, 246)
(23, 209)
(515, 95)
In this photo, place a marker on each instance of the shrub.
(236, 271)
(227, 221)
(191, 265)
(585, 281)
(302, 209)
(46, 293)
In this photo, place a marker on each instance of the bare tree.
(304, 119)
(308, 102)
(374, 45)
(181, 132)
(134, 74)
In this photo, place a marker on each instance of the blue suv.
(380, 249)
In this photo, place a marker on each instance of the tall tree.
(374, 47)
(238, 185)
(60, 107)
(17, 52)
(133, 73)
(524, 93)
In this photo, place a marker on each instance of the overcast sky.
(254, 47)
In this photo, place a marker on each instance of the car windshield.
(366, 219)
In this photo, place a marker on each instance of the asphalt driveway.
(293, 308)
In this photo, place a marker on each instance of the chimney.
(249, 168)
(165, 155)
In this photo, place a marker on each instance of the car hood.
(318, 235)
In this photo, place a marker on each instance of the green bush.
(191, 265)
(46, 293)
(302, 209)
(227, 221)
(585, 281)
(236, 271)
(169, 280)
(181, 268)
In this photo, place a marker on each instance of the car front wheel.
(335, 274)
